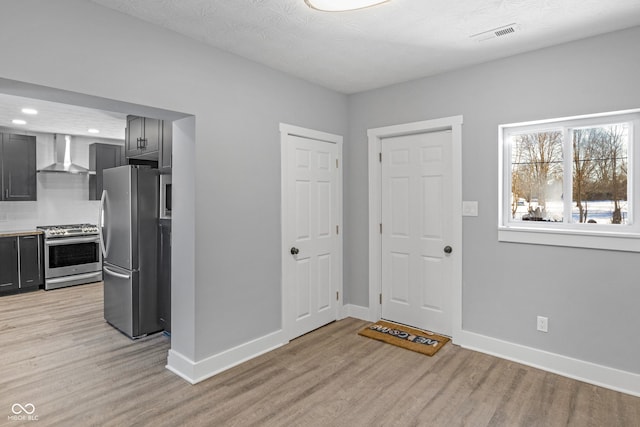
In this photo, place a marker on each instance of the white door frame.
(454, 124)
(285, 131)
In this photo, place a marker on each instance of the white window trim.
(602, 236)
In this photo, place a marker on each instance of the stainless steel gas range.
(72, 255)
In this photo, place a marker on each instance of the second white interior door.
(416, 230)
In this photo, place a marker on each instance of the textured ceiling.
(397, 41)
(350, 51)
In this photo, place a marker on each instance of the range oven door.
(68, 256)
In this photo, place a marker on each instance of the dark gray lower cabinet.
(30, 261)
(9, 264)
(20, 263)
(164, 274)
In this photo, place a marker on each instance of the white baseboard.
(357, 311)
(181, 365)
(194, 372)
(603, 376)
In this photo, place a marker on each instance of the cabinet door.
(18, 168)
(166, 145)
(107, 156)
(8, 263)
(30, 265)
(134, 135)
(101, 157)
(152, 135)
(143, 138)
(164, 276)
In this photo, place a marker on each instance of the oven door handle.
(69, 241)
(115, 274)
(100, 223)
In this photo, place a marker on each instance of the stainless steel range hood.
(62, 157)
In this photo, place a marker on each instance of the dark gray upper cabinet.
(101, 157)
(143, 137)
(18, 163)
(30, 261)
(9, 264)
(166, 145)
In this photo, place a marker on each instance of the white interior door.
(416, 217)
(312, 267)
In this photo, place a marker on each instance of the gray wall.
(237, 105)
(590, 296)
(230, 293)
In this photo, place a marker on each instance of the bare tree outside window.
(599, 164)
(600, 160)
(585, 152)
(537, 176)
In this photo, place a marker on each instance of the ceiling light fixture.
(92, 130)
(18, 122)
(342, 5)
(29, 111)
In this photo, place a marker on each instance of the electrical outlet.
(543, 324)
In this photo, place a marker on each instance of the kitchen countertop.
(19, 233)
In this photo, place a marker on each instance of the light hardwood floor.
(60, 355)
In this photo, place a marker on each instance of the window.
(568, 182)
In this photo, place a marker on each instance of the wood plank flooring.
(60, 355)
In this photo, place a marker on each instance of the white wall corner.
(357, 312)
(181, 365)
(195, 372)
(599, 375)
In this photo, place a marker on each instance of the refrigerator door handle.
(101, 223)
(115, 274)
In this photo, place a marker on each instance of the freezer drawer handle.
(114, 274)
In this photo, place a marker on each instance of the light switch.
(469, 208)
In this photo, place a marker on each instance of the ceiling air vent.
(496, 32)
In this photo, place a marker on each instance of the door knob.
(448, 249)
(294, 251)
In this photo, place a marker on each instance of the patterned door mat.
(404, 336)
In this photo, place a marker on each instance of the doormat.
(404, 336)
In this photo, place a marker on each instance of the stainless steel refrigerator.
(128, 233)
